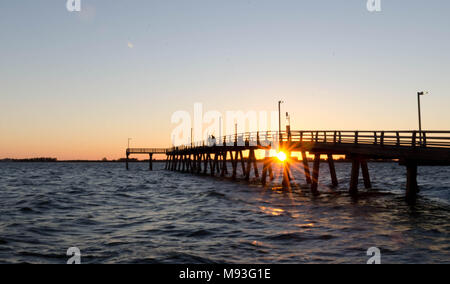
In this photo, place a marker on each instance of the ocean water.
(118, 216)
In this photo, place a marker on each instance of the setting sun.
(281, 156)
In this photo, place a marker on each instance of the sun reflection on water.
(271, 211)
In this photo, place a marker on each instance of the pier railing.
(146, 150)
(424, 139)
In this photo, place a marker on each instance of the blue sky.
(76, 85)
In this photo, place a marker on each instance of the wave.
(200, 233)
(186, 258)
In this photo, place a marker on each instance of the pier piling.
(411, 181)
(306, 167)
(334, 180)
(315, 176)
(354, 176)
(150, 162)
(366, 175)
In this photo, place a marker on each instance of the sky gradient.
(77, 85)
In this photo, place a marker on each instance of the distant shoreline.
(74, 161)
(53, 160)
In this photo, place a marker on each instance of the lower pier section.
(358, 163)
(215, 161)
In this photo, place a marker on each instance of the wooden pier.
(410, 148)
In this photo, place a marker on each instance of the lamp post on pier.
(279, 118)
(420, 115)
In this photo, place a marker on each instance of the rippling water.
(137, 216)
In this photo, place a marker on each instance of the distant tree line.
(42, 159)
(53, 160)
